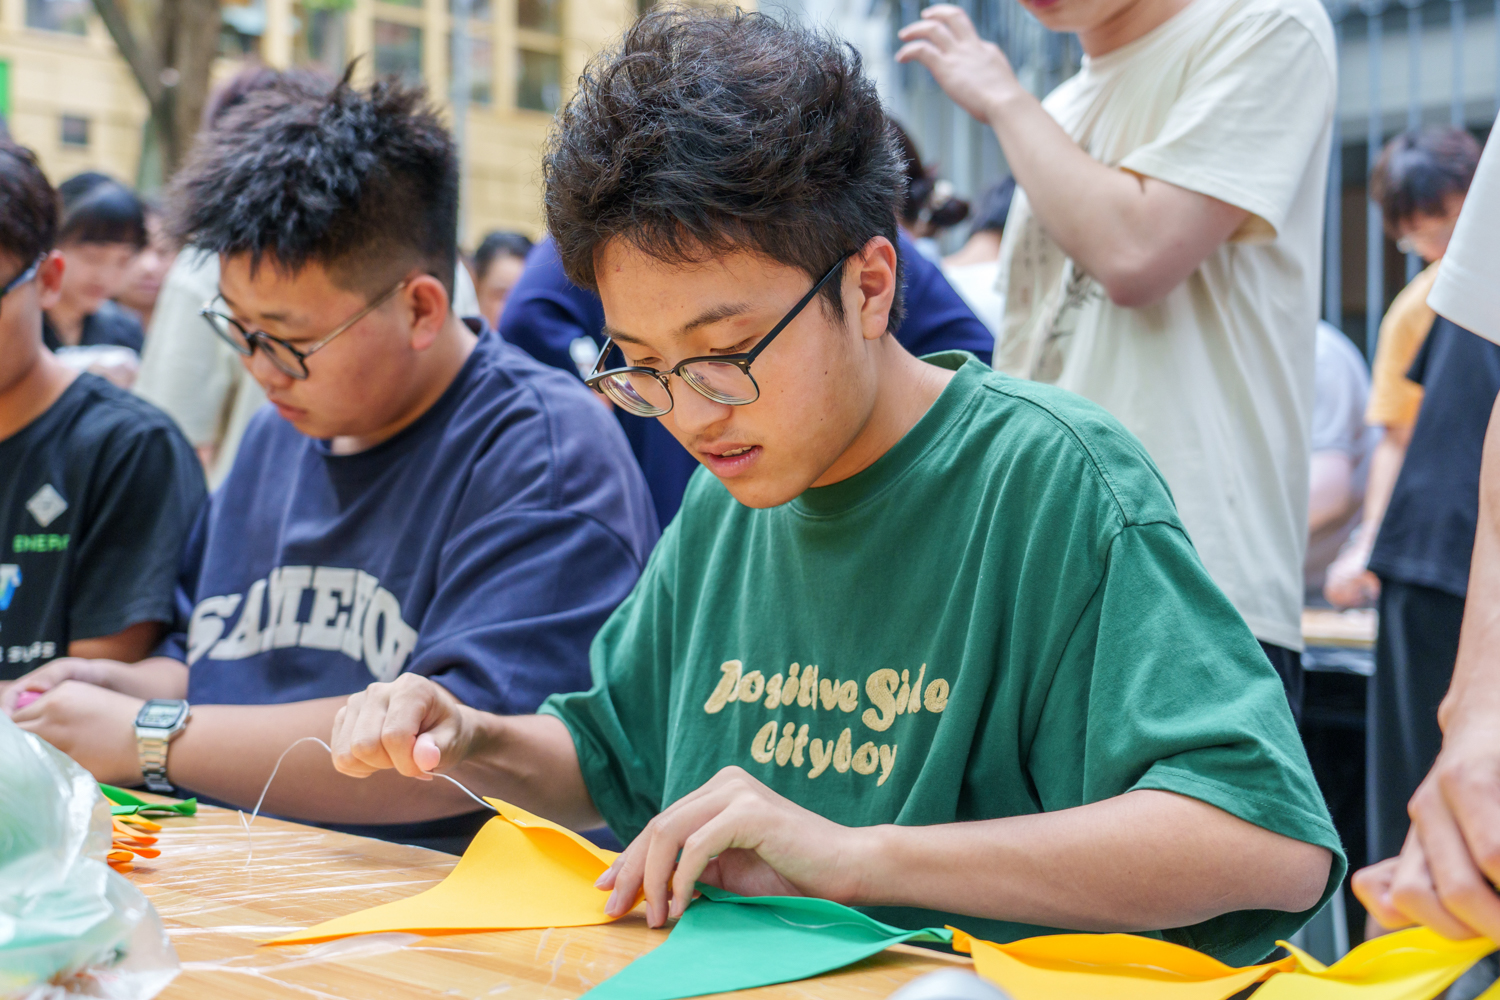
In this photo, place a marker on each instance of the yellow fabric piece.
(1414, 964)
(1394, 398)
(520, 871)
(1107, 967)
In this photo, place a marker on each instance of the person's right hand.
(50, 675)
(972, 71)
(1446, 873)
(1349, 583)
(411, 724)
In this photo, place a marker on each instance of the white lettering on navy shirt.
(351, 613)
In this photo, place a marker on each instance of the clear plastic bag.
(69, 926)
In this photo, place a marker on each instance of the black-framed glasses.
(24, 276)
(289, 360)
(723, 378)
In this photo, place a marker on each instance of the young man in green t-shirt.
(928, 638)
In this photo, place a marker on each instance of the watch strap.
(152, 745)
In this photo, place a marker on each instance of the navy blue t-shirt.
(545, 313)
(482, 546)
(1427, 535)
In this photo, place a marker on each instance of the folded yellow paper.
(520, 871)
(1414, 964)
(1107, 967)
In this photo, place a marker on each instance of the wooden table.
(1353, 629)
(218, 909)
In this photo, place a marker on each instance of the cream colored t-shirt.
(190, 372)
(1233, 99)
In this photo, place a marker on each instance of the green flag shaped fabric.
(726, 942)
(123, 803)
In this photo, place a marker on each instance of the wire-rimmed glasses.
(26, 275)
(289, 360)
(723, 378)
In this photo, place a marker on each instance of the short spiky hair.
(28, 206)
(361, 182)
(709, 131)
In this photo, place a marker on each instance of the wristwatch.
(157, 724)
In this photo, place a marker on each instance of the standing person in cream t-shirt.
(1162, 255)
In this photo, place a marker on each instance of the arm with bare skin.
(88, 711)
(1446, 873)
(1139, 861)
(1139, 237)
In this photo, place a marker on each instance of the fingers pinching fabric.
(521, 871)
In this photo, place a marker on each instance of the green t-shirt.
(1001, 616)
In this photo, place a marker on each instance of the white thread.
(250, 844)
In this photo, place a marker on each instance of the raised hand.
(972, 71)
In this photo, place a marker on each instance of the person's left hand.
(91, 724)
(736, 834)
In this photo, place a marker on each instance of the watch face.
(159, 714)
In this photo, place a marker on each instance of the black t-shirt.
(1427, 536)
(113, 324)
(97, 496)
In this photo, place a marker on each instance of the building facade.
(66, 93)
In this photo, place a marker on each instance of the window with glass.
(67, 16)
(75, 131)
(481, 69)
(241, 29)
(479, 10)
(398, 51)
(320, 35)
(539, 81)
(540, 15)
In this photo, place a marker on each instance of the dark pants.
(1288, 664)
(1414, 653)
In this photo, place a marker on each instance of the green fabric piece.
(1001, 616)
(126, 804)
(726, 942)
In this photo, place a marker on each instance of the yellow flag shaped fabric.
(1415, 964)
(1107, 967)
(520, 871)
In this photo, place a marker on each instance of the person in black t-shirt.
(1422, 557)
(98, 489)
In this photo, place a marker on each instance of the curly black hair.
(708, 131)
(28, 206)
(361, 182)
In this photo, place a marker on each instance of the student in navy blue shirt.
(563, 325)
(419, 497)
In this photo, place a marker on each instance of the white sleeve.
(1342, 389)
(183, 365)
(1467, 291)
(1252, 115)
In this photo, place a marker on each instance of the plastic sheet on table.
(219, 910)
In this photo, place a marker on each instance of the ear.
(428, 305)
(49, 280)
(875, 286)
